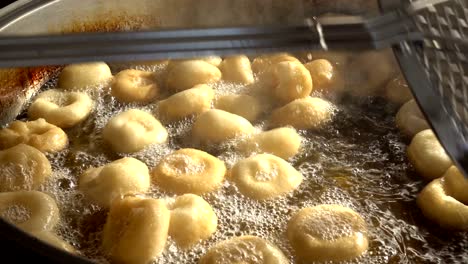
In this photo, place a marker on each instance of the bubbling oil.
(357, 161)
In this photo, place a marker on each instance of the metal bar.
(175, 43)
(162, 35)
(22, 10)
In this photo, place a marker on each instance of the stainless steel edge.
(19, 9)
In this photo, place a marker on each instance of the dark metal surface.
(19, 247)
(5, 3)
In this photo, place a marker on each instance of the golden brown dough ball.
(61, 108)
(337, 58)
(283, 142)
(397, 90)
(193, 101)
(23, 168)
(243, 105)
(84, 75)
(39, 134)
(339, 62)
(444, 200)
(237, 69)
(192, 220)
(133, 130)
(136, 230)
(410, 120)
(427, 155)
(370, 71)
(135, 86)
(290, 81)
(262, 63)
(304, 113)
(245, 250)
(31, 211)
(265, 176)
(187, 74)
(213, 60)
(189, 171)
(216, 126)
(114, 180)
(327, 232)
(322, 73)
(456, 184)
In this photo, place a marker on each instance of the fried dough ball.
(187, 74)
(114, 180)
(243, 105)
(290, 81)
(192, 220)
(23, 168)
(54, 240)
(338, 58)
(339, 62)
(237, 69)
(38, 133)
(427, 155)
(262, 63)
(370, 72)
(283, 142)
(327, 232)
(31, 211)
(136, 230)
(397, 90)
(135, 86)
(84, 75)
(304, 113)
(61, 108)
(189, 171)
(133, 130)
(216, 126)
(265, 176)
(410, 119)
(456, 184)
(213, 60)
(445, 200)
(322, 73)
(190, 102)
(244, 249)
